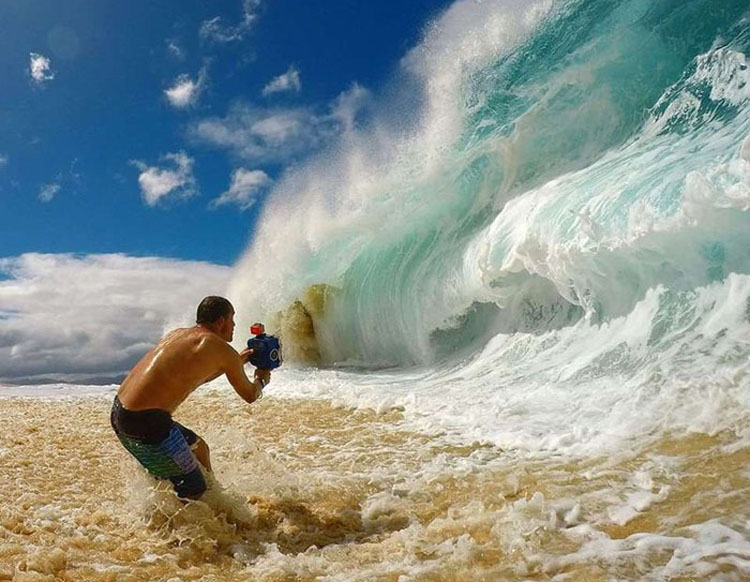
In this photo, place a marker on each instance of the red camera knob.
(257, 329)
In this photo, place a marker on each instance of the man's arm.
(213, 376)
(244, 356)
(235, 371)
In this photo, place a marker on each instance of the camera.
(266, 348)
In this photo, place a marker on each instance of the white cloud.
(289, 81)
(39, 68)
(90, 318)
(70, 180)
(3, 160)
(260, 134)
(283, 127)
(348, 104)
(175, 49)
(158, 183)
(278, 134)
(48, 191)
(244, 188)
(185, 92)
(215, 30)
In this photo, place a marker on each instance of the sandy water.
(310, 491)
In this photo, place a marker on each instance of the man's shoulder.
(207, 340)
(199, 341)
(191, 337)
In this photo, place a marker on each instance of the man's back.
(181, 361)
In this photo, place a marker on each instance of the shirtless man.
(182, 360)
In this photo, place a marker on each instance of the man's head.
(217, 314)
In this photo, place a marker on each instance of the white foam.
(702, 552)
(56, 391)
(585, 389)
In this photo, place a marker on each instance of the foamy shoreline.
(57, 390)
(313, 492)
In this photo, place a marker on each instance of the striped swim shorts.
(161, 445)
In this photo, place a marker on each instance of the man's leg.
(200, 449)
(197, 445)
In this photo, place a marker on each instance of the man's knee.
(201, 451)
(190, 486)
(200, 445)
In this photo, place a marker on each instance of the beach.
(305, 490)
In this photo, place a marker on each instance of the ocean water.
(515, 307)
(545, 249)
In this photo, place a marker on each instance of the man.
(182, 360)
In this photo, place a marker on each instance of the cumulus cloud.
(289, 81)
(245, 186)
(262, 134)
(48, 191)
(90, 318)
(278, 134)
(159, 183)
(216, 30)
(40, 68)
(3, 160)
(184, 92)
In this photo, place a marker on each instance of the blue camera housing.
(266, 351)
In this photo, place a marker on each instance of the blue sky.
(156, 129)
(140, 142)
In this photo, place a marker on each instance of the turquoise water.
(593, 156)
(564, 205)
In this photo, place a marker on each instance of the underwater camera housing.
(266, 348)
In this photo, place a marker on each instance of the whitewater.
(552, 254)
(514, 300)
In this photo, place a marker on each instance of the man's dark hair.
(212, 308)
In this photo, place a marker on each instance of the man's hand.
(245, 355)
(263, 375)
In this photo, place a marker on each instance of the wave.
(559, 162)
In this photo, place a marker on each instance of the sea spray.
(580, 155)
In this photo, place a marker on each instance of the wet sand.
(308, 491)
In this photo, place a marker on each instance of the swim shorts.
(161, 445)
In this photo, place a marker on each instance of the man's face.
(227, 328)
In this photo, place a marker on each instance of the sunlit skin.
(185, 359)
